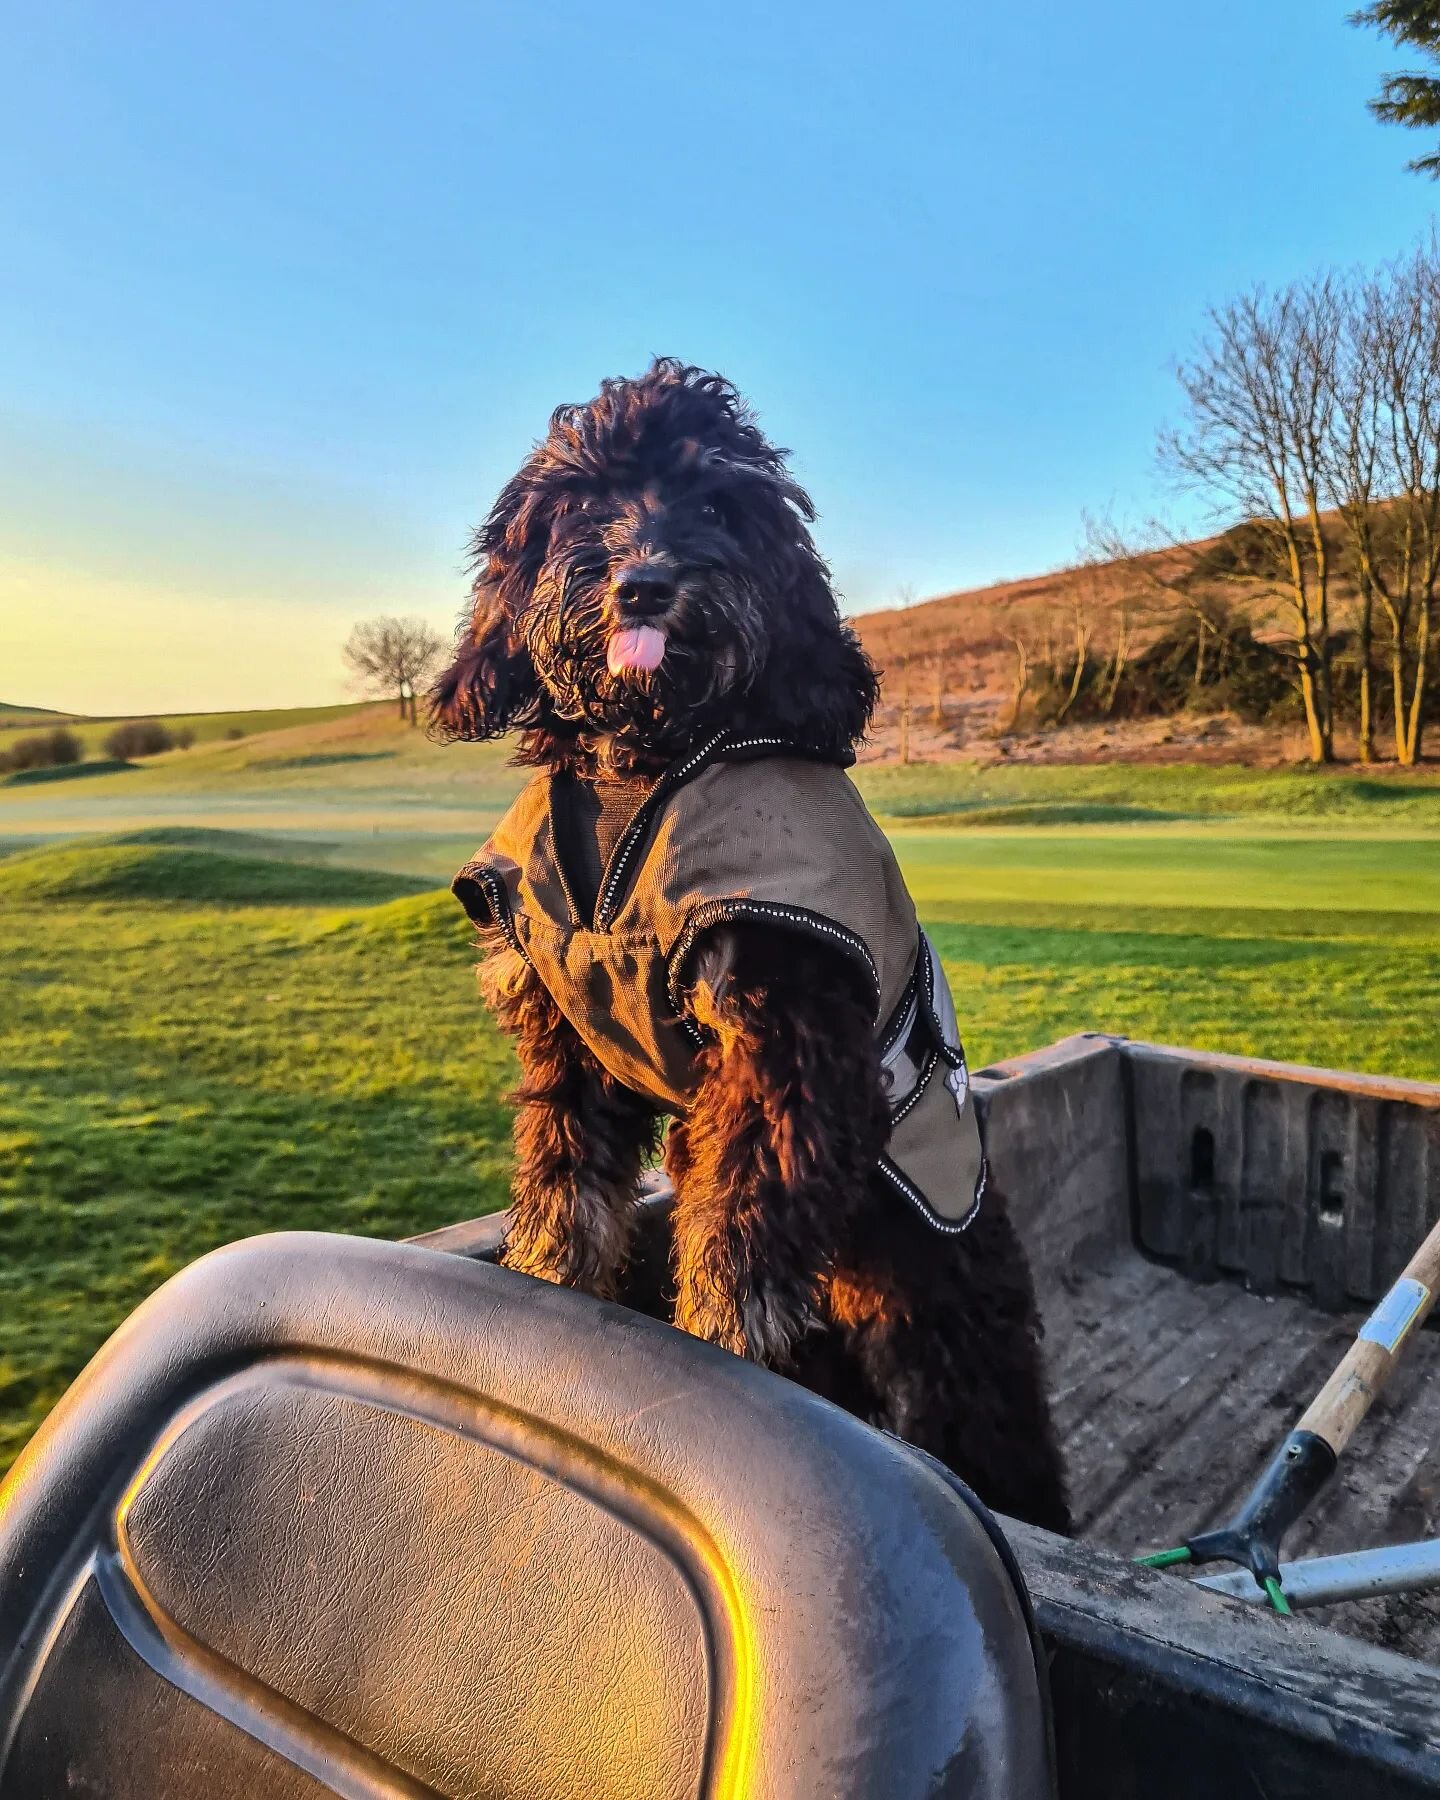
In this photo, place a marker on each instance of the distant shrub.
(183, 738)
(45, 750)
(138, 737)
(235, 731)
(1206, 661)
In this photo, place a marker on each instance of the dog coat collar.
(730, 745)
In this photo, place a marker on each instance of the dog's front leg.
(581, 1141)
(786, 1127)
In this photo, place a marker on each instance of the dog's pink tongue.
(635, 647)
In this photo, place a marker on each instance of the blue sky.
(286, 292)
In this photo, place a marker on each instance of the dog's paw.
(586, 1251)
(773, 1324)
(760, 1328)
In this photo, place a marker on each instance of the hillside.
(205, 727)
(31, 715)
(959, 655)
(1143, 624)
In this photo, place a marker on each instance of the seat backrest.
(330, 1516)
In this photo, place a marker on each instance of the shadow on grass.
(68, 772)
(1047, 947)
(1038, 812)
(323, 759)
(1151, 929)
(90, 871)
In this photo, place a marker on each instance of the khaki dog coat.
(744, 828)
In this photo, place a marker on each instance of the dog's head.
(647, 576)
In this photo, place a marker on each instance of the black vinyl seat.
(336, 1517)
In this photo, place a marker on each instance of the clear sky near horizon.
(287, 291)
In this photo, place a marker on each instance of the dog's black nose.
(643, 589)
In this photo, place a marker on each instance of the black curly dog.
(660, 507)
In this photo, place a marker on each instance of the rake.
(1306, 1459)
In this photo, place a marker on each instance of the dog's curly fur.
(786, 1248)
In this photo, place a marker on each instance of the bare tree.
(1085, 601)
(940, 646)
(1114, 672)
(1357, 470)
(1020, 682)
(905, 711)
(1387, 478)
(1261, 393)
(1156, 573)
(904, 600)
(929, 644)
(394, 656)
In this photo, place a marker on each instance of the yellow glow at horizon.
(99, 644)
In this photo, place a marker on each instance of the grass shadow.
(81, 771)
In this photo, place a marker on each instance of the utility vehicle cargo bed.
(1158, 1190)
(1206, 1234)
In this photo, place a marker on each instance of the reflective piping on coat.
(558, 860)
(911, 1100)
(711, 913)
(635, 830)
(914, 1037)
(915, 1044)
(903, 1018)
(942, 1011)
(950, 1227)
(496, 898)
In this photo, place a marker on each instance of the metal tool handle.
(1355, 1575)
(1353, 1389)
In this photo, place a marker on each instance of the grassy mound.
(26, 715)
(1058, 812)
(323, 759)
(420, 923)
(107, 870)
(217, 838)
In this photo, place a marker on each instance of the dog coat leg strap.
(936, 1158)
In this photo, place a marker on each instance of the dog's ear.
(828, 690)
(842, 689)
(819, 686)
(491, 684)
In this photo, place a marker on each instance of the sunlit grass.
(206, 1032)
(173, 1077)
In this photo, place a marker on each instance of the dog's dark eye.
(709, 510)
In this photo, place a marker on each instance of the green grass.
(176, 1076)
(171, 873)
(1184, 790)
(231, 1000)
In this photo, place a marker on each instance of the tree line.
(61, 748)
(1314, 413)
